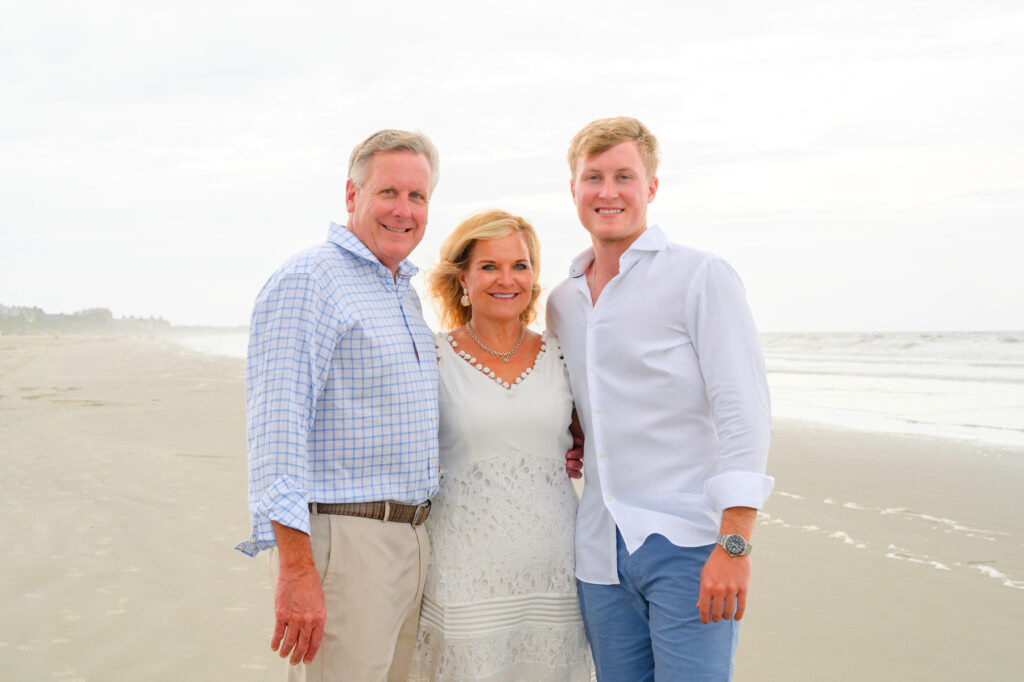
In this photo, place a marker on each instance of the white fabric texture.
(670, 386)
(500, 600)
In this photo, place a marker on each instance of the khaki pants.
(372, 573)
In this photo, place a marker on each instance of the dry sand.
(877, 558)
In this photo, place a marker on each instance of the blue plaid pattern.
(340, 388)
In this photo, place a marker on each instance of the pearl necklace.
(505, 357)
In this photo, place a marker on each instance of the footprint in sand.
(121, 603)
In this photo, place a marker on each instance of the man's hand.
(574, 459)
(298, 599)
(723, 585)
(724, 580)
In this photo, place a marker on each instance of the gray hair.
(391, 141)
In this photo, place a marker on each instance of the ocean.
(963, 385)
(967, 386)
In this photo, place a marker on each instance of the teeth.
(395, 229)
(609, 211)
(503, 295)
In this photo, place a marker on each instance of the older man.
(669, 381)
(341, 395)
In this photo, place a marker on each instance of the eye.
(487, 266)
(521, 266)
(624, 176)
(387, 191)
(417, 195)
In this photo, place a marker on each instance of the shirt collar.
(341, 236)
(651, 239)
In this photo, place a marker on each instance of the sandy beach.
(878, 557)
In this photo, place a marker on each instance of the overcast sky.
(860, 163)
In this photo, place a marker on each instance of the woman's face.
(499, 278)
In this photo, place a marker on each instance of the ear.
(350, 195)
(572, 190)
(652, 189)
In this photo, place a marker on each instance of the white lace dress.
(500, 599)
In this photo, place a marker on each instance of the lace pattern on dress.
(481, 520)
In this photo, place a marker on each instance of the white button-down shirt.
(669, 381)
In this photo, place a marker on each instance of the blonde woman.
(500, 600)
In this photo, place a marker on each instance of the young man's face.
(389, 212)
(611, 191)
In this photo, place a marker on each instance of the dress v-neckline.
(490, 375)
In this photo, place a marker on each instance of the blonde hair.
(390, 140)
(443, 280)
(601, 135)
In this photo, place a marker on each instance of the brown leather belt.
(415, 514)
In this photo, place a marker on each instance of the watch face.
(734, 544)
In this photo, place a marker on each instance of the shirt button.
(609, 498)
(592, 368)
(597, 410)
(603, 455)
(590, 325)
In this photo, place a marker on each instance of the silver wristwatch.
(735, 545)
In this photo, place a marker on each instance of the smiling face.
(611, 191)
(499, 278)
(389, 212)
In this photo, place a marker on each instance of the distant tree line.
(32, 320)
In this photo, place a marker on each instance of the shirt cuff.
(737, 489)
(284, 502)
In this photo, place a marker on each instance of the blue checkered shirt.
(340, 388)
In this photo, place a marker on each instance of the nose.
(505, 276)
(608, 189)
(401, 207)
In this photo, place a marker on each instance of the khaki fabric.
(372, 573)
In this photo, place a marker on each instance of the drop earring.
(465, 299)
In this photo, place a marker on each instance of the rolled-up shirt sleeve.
(293, 334)
(732, 365)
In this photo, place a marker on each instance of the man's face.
(611, 191)
(389, 212)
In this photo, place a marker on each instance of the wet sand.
(878, 557)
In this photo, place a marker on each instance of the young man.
(669, 382)
(341, 395)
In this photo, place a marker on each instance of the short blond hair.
(390, 140)
(443, 281)
(601, 135)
